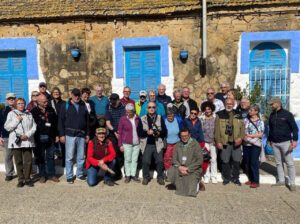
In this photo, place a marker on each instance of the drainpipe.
(204, 39)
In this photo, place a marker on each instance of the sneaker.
(70, 181)
(29, 183)
(201, 186)
(43, 180)
(109, 183)
(214, 180)
(160, 181)
(145, 181)
(206, 180)
(81, 178)
(127, 180)
(248, 182)
(54, 179)
(278, 184)
(135, 179)
(9, 178)
(237, 182)
(225, 182)
(292, 187)
(20, 184)
(254, 185)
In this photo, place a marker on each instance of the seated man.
(186, 169)
(100, 155)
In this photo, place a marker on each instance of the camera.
(228, 129)
(206, 156)
(155, 130)
(18, 140)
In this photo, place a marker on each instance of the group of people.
(186, 143)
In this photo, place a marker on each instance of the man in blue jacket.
(73, 128)
(283, 137)
(8, 158)
(160, 109)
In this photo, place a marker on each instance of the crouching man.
(185, 174)
(100, 155)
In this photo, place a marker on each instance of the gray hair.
(129, 106)
(255, 107)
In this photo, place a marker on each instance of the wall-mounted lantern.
(75, 52)
(183, 55)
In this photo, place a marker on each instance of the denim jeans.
(47, 152)
(92, 174)
(72, 144)
(251, 161)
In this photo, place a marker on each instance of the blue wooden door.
(142, 69)
(268, 67)
(13, 74)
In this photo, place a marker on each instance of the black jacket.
(164, 99)
(71, 122)
(179, 109)
(3, 117)
(221, 96)
(282, 126)
(192, 104)
(46, 122)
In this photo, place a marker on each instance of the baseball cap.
(143, 93)
(114, 96)
(274, 100)
(101, 130)
(76, 92)
(42, 84)
(10, 95)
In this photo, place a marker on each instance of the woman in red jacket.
(100, 155)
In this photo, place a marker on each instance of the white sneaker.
(214, 180)
(206, 180)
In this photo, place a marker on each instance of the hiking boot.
(135, 179)
(109, 183)
(160, 181)
(29, 183)
(70, 181)
(127, 180)
(254, 185)
(54, 179)
(43, 180)
(145, 181)
(237, 182)
(20, 184)
(278, 184)
(225, 182)
(9, 178)
(292, 187)
(201, 186)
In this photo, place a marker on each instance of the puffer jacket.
(15, 127)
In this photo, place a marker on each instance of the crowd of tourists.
(184, 142)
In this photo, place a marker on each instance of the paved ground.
(135, 203)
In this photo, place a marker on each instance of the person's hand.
(219, 145)
(150, 132)
(24, 137)
(1, 141)
(183, 170)
(87, 138)
(117, 135)
(122, 148)
(294, 144)
(19, 117)
(62, 139)
(56, 139)
(100, 163)
(238, 142)
(104, 167)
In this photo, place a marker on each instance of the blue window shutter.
(4, 63)
(5, 87)
(151, 68)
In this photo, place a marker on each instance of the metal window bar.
(274, 82)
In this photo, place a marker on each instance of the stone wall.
(95, 42)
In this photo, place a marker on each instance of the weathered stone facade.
(94, 38)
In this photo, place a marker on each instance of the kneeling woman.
(100, 155)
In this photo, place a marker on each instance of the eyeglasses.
(20, 103)
(210, 93)
(193, 113)
(151, 107)
(35, 95)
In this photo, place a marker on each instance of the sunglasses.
(151, 107)
(210, 93)
(35, 95)
(11, 98)
(193, 113)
